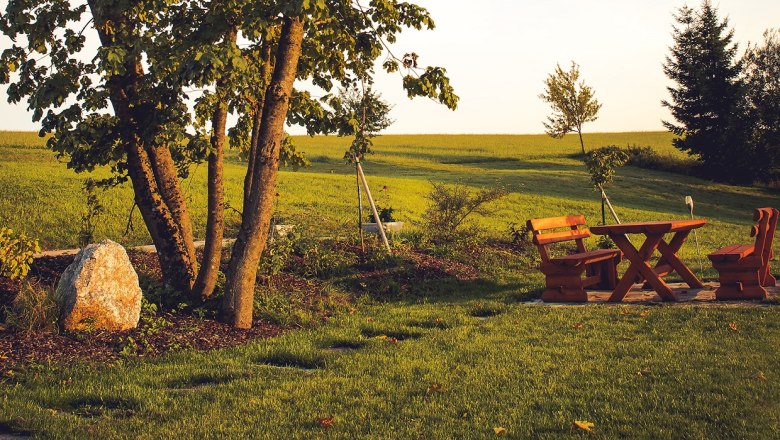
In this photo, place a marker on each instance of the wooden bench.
(743, 270)
(564, 275)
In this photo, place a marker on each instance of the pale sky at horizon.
(498, 54)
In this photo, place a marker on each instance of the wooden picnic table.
(640, 269)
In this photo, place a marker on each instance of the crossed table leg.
(639, 267)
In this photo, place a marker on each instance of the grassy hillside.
(40, 196)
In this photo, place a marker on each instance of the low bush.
(519, 234)
(648, 158)
(89, 218)
(322, 258)
(450, 207)
(16, 254)
(276, 255)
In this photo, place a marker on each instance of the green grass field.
(40, 196)
(670, 371)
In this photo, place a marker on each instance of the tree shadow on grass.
(450, 290)
(12, 430)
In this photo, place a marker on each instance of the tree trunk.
(582, 144)
(257, 116)
(242, 272)
(257, 120)
(175, 262)
(169, 186)
(146, 167)
(215, 222)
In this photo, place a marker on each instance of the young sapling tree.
(572, 101)
(601, 164)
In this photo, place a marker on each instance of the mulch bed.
(20, 349)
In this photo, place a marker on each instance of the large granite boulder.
(99, 290)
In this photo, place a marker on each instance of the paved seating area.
(684, 294)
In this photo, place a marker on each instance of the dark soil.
(173, 330)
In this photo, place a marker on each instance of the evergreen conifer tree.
(706, 101)
(762, 79)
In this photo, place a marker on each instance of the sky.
(498, 53)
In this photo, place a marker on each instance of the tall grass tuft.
(35, 308)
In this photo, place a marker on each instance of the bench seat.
(586, 257)
(734, 252)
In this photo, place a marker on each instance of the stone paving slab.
(684, 294)
(147, 248)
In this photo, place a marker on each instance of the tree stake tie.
(689, 203)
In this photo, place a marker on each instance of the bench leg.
(739, 285)
(767, 280)
(738, 291)
(565, 286)
(608, 272)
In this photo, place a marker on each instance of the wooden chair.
(564, 275)
(744, 269)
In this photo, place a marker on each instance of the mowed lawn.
(429, 366)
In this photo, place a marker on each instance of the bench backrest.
(764, 231)
(573, 232)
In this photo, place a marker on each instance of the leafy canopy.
(572, 101)
(180, 50)
(601, 164)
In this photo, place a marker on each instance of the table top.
(655, 227)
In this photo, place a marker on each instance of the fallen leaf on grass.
(577, 325)
(499, 430)
(584, 425)
(760, 376)
(644, 313)
(325, 422)
(8, 373)
(435, 388)
(733, 326)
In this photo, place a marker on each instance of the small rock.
(99, 290)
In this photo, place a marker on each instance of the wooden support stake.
(360, 207)
(373, 208)
(611, 209)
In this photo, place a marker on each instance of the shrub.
(16, 254)
(276, 255)
(385, 214)
(34, 309)
(451, 205)
(94, 209)
(647, 158)
(322, 261)
(604, 242)
(519, 234)
(321, 258)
